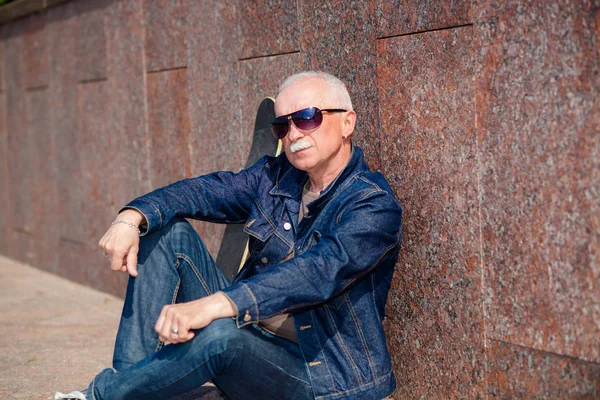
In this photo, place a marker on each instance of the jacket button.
(264, 260)
(247, 316)
(287, 226)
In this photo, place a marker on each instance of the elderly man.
(302, 319)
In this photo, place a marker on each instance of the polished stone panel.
(339, 37)
(429, 155)
(217, 140)
(78, 255)
(538, 119)
(4, 172)
(41, 213)
(88, 266)
(90, 34)
(4, 177)
(94, 145)
(400, 17)
(2, 40)
(165, 22)
(517, 372)
(36, 57)
(97, 163)
(217, 143)
(63, 97)
(169, 127)
(260, 78)
(18, 158)
(129, 143)
(267, 27)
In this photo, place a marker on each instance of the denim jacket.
(336, 283)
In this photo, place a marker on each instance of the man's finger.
(116, 261)
(160, 321)
(184, 334)
(132, 262)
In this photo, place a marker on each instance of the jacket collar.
(290, 181)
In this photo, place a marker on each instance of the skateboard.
(234, 247)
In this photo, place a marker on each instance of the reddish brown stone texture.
(83, 262)
(165, 33)
(260, 78)
(2, 40)
(78, 256)
(213, 91)
(516, 372)
(538, 116)
(16, 124)
(41, 214)
(429, 155)
(4, 173)
(399, 17)
(36, 58)
(268, 27)
(598, 31)
(5, 222)
(63, 97)
(214, 101)
(96, 163)
(169, 127)
(90, 35)
(339, 37)
(129, 152)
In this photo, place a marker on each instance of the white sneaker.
(69, 396)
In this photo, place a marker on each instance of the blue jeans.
(247, 363)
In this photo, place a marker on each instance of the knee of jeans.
(177, 236)
(181, 235)
(179, 225)
(223, 340)
(221, 332)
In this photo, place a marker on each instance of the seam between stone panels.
(92, 80)
(425, 31)
(147, 144)
(287, 53)
(35, 88)
(482, 290)
(552, 353)
(156, 71)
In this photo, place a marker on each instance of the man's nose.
(294, 133)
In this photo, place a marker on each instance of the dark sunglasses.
(305, 119)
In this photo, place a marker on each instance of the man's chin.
(301, 164)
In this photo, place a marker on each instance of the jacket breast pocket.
(260, 230)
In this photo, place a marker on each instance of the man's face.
(320, 149)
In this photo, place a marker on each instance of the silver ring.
(175, 331)
(107, 255)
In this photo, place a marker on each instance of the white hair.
(335, 87)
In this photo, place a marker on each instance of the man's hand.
(121, 243)
(184, 317)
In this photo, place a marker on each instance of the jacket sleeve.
(221, 197)
(367, 233)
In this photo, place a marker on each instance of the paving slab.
(56, 334)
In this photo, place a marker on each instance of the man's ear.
(349, 123)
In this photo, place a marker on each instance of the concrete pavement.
(55, 335)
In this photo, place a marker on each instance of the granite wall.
(484, 115)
